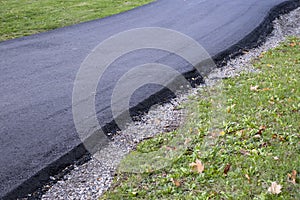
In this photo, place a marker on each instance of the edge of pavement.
(80, 155)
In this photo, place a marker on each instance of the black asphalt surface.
(37, 132)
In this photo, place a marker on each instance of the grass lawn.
(26, 17)
(239, 151)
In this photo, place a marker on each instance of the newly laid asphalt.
(37, 132)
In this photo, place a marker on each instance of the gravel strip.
(90, 180)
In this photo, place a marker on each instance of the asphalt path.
(37, 132)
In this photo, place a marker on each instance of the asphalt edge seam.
(80, 155)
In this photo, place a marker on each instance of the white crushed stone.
(92, 179)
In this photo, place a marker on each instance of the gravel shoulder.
(91, 179)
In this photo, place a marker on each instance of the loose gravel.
(91, 179)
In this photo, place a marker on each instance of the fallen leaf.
(274, 136)
(282, 139)
(275, 188)
(292, 177)
(248, 178)
(229, 109)
(170, 148)
(261, 55)
(261, 130)
(187, 141)
(266, 89)
(292, 44)
(254, 88)
(145, 188)
(244, 152)
(197, 167)
(276, 158)
(176, 183)
(227, 168)
(263, 145)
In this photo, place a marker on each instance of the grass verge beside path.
(26, 17)
(258, 142)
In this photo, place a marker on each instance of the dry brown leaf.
(282, 139)
(229, 109)
(274, 136)
(227, 168)
(293, 44)
(261, 55)
(263, 145)
(261, 130)
(275, 188)
(176, 182)
(292, 177)
(266, 89)
(169, 148)
(248, 178)
(187, 141)
(244, 152)
(197, 167)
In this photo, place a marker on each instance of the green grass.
(26, 17)
(256, 131)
